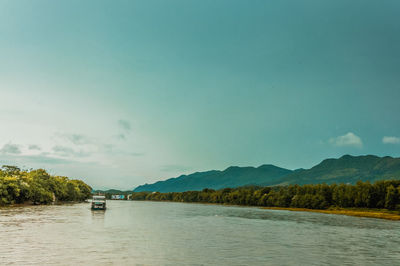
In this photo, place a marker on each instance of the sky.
(122, 93)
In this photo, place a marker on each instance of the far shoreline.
(30, 204)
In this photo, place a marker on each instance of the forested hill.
(231, 177)
(346, 169)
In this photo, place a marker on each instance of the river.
(163, 233)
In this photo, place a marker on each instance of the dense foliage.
(381, 194)
(38, 187)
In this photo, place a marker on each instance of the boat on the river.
(99, 203)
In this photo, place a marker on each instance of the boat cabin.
(99, 203)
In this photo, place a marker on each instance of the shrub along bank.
(39, 187)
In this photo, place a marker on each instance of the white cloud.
(10, 148)
(390, 140)
(349, 139)
(68, 152)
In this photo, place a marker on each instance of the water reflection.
(98, 217)
(98, 213)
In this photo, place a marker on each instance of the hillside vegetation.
(347, 169)
(231, 177)
(380, 195)
(39, 187)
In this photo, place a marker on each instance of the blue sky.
(120, 93)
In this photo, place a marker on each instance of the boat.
(99, 203)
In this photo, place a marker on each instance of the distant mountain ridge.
(346, 169)
(111, 191)
(233, 176)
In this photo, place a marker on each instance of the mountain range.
(346, 169)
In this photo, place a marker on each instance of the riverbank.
(39, 187)
(368, 213)
(30, 204)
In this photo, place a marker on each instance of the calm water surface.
(161, 233)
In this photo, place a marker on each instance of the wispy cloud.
(45, 159)
(124, 125)
(350, 139)
(390, 140)
(76, 139)
(111, 149)
(68, 152)
(10, 148)
(107, 148)
(79, 139)
(134, 154)
(34, 147)
(33, 160)
(121, 136)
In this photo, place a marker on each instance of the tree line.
(39, 187)
(380, 195)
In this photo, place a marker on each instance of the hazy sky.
(119, 93)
